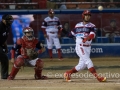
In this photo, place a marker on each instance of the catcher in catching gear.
(27, 54)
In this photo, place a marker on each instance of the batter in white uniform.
(52, 29)
(84, 33)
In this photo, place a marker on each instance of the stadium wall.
(68, 11)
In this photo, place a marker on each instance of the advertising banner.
(97, 50)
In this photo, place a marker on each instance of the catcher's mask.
(8, 19)
(29, 33)
(86, 12)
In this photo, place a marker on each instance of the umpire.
(5, 27)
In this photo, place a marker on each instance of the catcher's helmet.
(26, 30)
(86, 12)
(51, 11)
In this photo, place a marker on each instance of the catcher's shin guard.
(38, 74)
(18, 63)
(13, 73)
(38, 70)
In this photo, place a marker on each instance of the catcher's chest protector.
(27, 45)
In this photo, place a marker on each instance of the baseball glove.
(32, 54)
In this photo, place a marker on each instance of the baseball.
(100, 8)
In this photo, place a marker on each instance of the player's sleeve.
(59, 23)
(59, 26)
(44, 25)
(16, 49)
(92, 32)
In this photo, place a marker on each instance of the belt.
(52, 32)
(85, 45)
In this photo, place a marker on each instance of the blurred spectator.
(94, 5)
(77, 6)
(66, 29)
(118, 5)
(63, 6)
(34, 7)
(19, 7)
(105, 5)
(112, 5)
(3, 7)
(29, 7)
(11, 6)
(112, 30)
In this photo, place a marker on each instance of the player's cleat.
(67, 77)
(10, 78)
(101, 79)
(51, 58)
(60, 59)
(42, 77)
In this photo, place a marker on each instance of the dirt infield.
(83, 80)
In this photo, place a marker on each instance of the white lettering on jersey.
(82, 30)
(79, 35)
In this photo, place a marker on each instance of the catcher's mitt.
(32, 54)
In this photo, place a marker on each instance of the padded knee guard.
(19, 61)
(39, 64)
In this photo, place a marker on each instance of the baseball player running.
(84, 33)
(52, 29)
(27, 55)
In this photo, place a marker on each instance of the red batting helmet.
(51, 11)
(86, 12)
